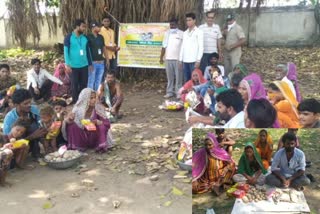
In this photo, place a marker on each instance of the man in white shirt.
(39, 81)
(211, 39)
(281, 74)
(230, 106)
(192, 47)
(171, 46)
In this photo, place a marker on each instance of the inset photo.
(255, 171)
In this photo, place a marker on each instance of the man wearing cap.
(99, 56)
(235, 38)
(40, 81)
(211, 39)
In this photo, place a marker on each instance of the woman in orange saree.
(264, 146)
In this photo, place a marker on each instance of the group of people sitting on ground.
(244, 102)
(39, 115)
(214, 170)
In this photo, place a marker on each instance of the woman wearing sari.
(80, 137)
(239, 69)
(64, 89)
(264, 146)
(251, 87)
(250, 168)
(282, 98)
(6, 156)
(293, 76)
(212, 167)
(196, 79)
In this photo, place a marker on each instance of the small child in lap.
(48, 121)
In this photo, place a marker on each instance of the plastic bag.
(88, 125)
(210, 211)
(192, 99)
(207, 100)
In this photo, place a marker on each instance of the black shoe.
(308, 164)
(310, 176)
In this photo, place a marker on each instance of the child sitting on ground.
(17, 132)
(60, 109)
(224, 141)
(48, 121)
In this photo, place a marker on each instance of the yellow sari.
(287, 109)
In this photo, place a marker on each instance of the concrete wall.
(46, 40)
(287, 26)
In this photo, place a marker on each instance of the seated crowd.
(244, 102)
(214, 170)
(39, 115)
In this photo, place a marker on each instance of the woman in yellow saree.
(282, 98)
(264, 146)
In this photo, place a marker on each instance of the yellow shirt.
(108, 36)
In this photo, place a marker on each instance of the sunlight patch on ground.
(104, 200)
(144, 181)
(73, 186)
(39, 194)
(93, 172)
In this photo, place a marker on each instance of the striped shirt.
(211, 35)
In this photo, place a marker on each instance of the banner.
(140, 44)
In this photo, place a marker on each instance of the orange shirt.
(108, 36)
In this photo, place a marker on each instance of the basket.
(64, 164)
(182, 165)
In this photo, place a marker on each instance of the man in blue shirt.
(288, 166)
(24, 110)
(77, 57)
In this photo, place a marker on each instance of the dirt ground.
(119, 175)
(308, 139)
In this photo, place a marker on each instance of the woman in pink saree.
(64, 89)
(251, 87)
(79, 136)
(293, 76)
(212, 167)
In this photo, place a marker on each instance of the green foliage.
(52, 3)
(15, 52)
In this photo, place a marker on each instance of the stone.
(154, 178)
(87, 182)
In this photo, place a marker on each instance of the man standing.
(171, 48)
(288, 166)
(77, 57)
(40, 81)
(109, 42)
(192, 47)
(211, 39)
(99, 56)
(235, 38)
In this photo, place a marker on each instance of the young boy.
(59, 107)
(47, 121)
(224, 141)
(309, 112)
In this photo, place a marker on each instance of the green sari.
(244, 163)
